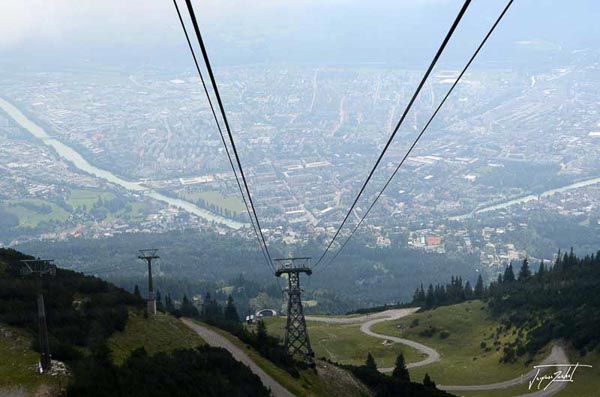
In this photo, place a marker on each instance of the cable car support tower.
(147, 255)
(296, 334)
(39, 269)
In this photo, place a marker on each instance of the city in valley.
(308, 198)
(511, 153)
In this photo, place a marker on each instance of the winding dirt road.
(557, 356)
(215, 339)
(371, 319)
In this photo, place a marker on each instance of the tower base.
(151, 307)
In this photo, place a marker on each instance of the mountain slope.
(85, 316)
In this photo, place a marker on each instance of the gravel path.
(369, 320)
(557, 356)
(215, 339)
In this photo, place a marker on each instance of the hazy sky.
(239, 31)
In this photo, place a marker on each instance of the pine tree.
(524, 273)
(231, 313)
(415, 300)
(421, 294)
(206, 305)
(429, 298)
(136, 292)
(509, 274)
(261, 332)
(572, 259)
(159, 302)
(427, 382)
(187, 308)
(479, 288)
(169, 306)
(468, 294)
(541, 270)
(370, 362)
(400, 371)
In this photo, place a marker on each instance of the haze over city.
(110, 145)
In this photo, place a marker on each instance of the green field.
(84, 197)
(30, 211)
(18, 364)
(464, 361)
(158, 333)
(330, 381)
(231, 203)
(346, 344)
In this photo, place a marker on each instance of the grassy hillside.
(466, 337)
(90, 321)
(18, 363)
(159, 333)
(346, 344)
(156, 334)
(586, 381)
(457, 332)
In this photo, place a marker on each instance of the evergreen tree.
(541, 270)
(400, 371)
(261, 332)
(136, 292)
(169, 306)
(427, 382)
(468, 291)
(421, 294)
(231, 313)
(187, 308)
(509, 274)
(524, 273)
(370, 362)
(479, 288)
(429, 298)
(159, 301)
(416, 296)
(572, 260)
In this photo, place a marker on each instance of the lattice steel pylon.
(148, 255)
(40, 268)
(297, 341)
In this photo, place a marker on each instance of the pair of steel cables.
(249, 204)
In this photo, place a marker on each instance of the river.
(69, 154)
(525, 199)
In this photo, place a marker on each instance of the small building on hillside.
(266, 313)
